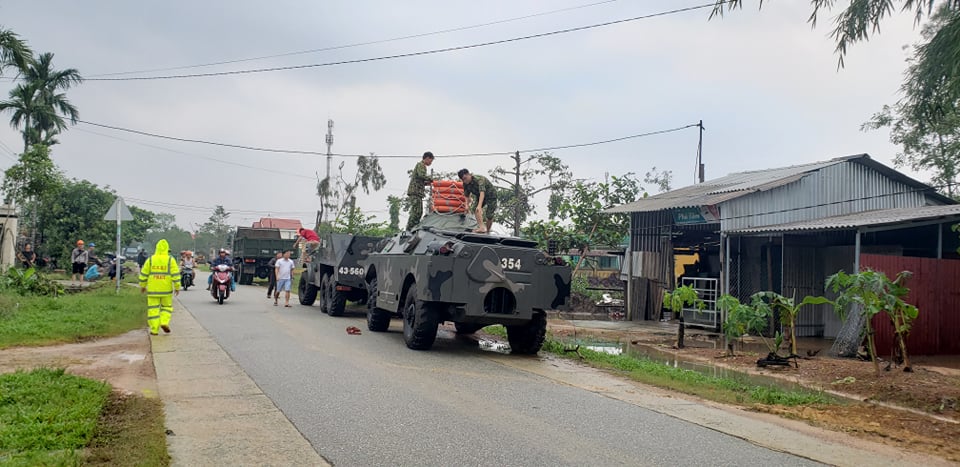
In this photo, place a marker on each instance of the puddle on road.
(131, 357)
(494, 346)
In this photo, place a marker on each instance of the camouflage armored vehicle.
(335, 274)
(443, 272)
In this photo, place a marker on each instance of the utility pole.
(516, 197)
(698, 178)
(326, 215)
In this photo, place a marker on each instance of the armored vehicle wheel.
(467, 328)
(526, 339)
(306, 291)
(378, 320)
(324, 284)
(336, 300)
(419, 321)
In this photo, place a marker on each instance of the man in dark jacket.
(273, 274)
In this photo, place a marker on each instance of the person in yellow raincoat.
(160, 278)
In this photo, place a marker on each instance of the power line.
(357, 44)
(387, 156)
(410, 54)
(212, 159)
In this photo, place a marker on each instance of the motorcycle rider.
(187, 264)
(222, 258)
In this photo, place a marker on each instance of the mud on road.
(123, 361)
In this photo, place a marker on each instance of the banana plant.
(875, 293)
(679, 298)
(741, 319)
(788, 309)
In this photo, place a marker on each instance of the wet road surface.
(368, 400)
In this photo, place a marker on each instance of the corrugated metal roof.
(877, 218)
(726, 188)
(740, 184)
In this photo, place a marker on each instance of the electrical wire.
(409, 54)
(199, 156)
(357, 44)
(386, 156)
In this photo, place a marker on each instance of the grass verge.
(729, 390)
(33, 320)
(47, 415)
(130, 432)
(721, 389)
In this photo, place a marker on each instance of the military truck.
(253, 248)
(442, 271)
(334, 272)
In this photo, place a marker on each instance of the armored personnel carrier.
(442, 271)
(334, 273)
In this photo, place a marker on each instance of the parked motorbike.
(186, 278)
(222, 279)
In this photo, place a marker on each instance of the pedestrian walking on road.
(417, 189)
(284, 273)
(159, 279)
(79, 258)
(142, 258)
(272, 284)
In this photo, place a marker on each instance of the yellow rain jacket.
(160, 274)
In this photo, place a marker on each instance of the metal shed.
(737, 222)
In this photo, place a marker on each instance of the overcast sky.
(764, 83)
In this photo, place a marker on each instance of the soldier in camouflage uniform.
(484, 196)
(415, 192)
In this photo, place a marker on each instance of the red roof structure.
(277, 223)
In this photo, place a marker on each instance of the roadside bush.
(29, 282)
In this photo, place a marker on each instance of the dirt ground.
(918, 411)
(124, 361)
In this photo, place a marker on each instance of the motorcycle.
(186, 278)
(222, 279)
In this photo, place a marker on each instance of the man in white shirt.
(284, 275)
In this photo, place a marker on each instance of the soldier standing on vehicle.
(484, 196)
(159, 279)
(417, 189)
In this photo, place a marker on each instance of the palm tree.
(13, 51)
(37, 104)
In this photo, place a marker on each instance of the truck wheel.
(526, 339)
(467, 328)
(336, 300)
(306, 291)
(378, 320)
(238, 276)
(324, 285)
(419, 321)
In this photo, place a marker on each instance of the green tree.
(164, 221)
(518, 185)
(33, 176)
(75, 211)
(216, 230)
(354, 221)
(14, 52)
(135, 231)
(338, 195)
(932, 81)
(395, 205)
(659, 178)
(928, 141)
(39, 106)
(586, 202)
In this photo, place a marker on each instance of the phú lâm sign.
(699, 215)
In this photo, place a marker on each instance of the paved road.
(367, 400)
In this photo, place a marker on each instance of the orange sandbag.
(450, 209)
(448, 202)
(447, 183)
(449, 196)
